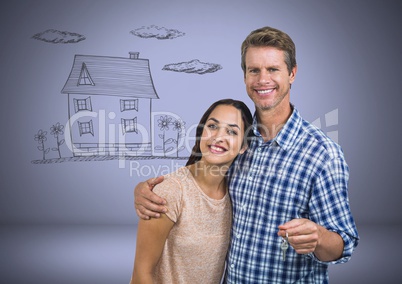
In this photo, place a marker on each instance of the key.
(284, 246)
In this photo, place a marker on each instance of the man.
(289, 187)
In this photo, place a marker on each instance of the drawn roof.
(111, 76)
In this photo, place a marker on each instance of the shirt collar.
(288, 134)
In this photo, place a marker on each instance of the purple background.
(348, 55)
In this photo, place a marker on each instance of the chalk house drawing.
(110, 105)
(104, 91)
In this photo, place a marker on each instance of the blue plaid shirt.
(301, 173)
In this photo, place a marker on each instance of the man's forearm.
(330, 245)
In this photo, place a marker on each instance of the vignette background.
(75, 222)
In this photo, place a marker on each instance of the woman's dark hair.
(246, 117)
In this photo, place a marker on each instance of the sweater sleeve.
(171, 190)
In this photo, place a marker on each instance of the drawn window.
(85, 78)
(82, 104)
(129, 105)
(86, 128)
(129, 125)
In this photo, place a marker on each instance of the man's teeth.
(265, 91)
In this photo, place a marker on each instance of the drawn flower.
(178, 125)
(163, 122)
(57, 129)
(41, 136)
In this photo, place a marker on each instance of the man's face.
(267, 78)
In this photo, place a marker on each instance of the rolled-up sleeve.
(330, 204)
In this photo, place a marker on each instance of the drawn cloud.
(156, 32)
(193, 66)
(55, 36)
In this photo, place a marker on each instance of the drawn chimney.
(134, 55)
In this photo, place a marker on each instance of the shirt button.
(250, 178)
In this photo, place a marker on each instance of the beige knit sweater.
(196, 247)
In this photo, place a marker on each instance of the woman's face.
(222, 136)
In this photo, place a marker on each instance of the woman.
(188, 244)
